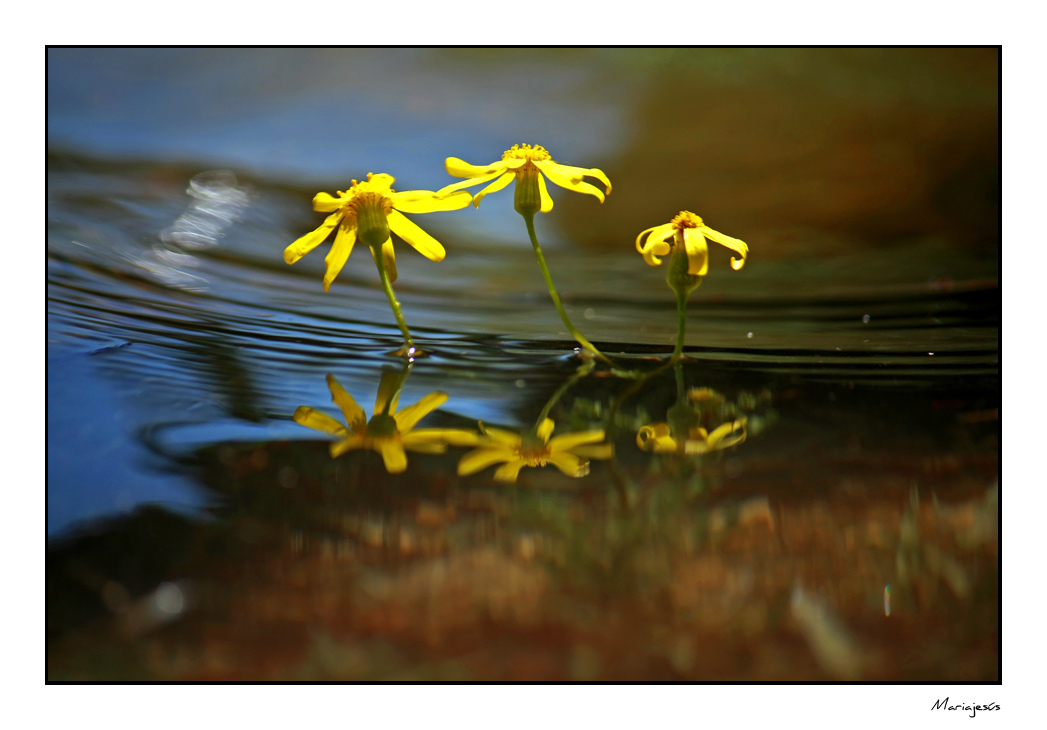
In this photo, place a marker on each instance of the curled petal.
(353, 442)
(460, 168)
(569, 441)
(734, 244)
(656, 437)
(555, 175)
(423, 201)
(393, 454)
(339, 253)
(388, 259)
(354, 414)
(697, 252)
(569, 464)
(494, 187)
(655, 244)
(509, 472)
(543, 191)
(483, 457)
(309, 241)
(576, 173)
(419, 239)
(318, 421)
(408, 417)
(326, 203)
(729, 434)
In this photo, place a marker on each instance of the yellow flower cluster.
(371, 209)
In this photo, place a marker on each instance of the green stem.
(681, 322)
(584, 370)
(529, 219)
(409, 348)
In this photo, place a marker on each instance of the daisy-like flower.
(530, 166)
(689, 232)
(369, 210)
(569, 453)
(658, 438)
(389, 432)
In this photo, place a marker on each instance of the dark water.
(196, 532)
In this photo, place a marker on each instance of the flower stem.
(408, 349)
(681, 322)
(582, 371)
(529, 219)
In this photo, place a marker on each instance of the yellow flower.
(369, 210)
(658, 438)
(389, 431)
(569, 453)
(689, 231)
(531, 165)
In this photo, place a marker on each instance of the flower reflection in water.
(570, 453)
(389, 432)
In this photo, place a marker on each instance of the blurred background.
(861, 339)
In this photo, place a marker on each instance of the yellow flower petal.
(655, 244)
(494, 187)
(460, 168)
(309, 241)
(351, 443)
(325, 202)
(594, 451)
(697, 252)
(656, 437)
(318, 421)
(419, 239)
(483, 457)
(729, 434)
(576, 173)
(422, 445)
(732, 243)
(388, 259)
(393, 454)
(423, 201)
(543, 190)
(354, 414)
(382, 182)
(509, 472)
(568, 441)
(553, 171)
(500, 436)
(447, 436)
(339, 253)
(545, 430)
(569, 464)
(408, 417)
(468, 183)
(388, 394)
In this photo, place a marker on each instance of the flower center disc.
(686, 220)
(526, 152)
